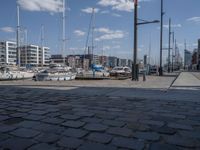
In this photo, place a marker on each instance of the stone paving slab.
(69, 119)
(187, 79)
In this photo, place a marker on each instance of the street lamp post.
(161, 39)
(173, 52)
(135, 65)
(169, 48)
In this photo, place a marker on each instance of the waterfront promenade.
(159, 114)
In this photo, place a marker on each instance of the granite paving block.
(48, 137)
(164, 130)
(3, 117)
(182, 141)
(159, 146)
(190, 134)
(151, 136)
(16, 144)
(73, 124)
(25, 133)
(52, 120)
(28, 124)
(180, 126)
(70, 117)
(100, 137)
(128, 143)
(38, 112)
(91, 120)
(113, 123)
(153, 122)
(6, 128)
(77, 133)
(120, 131)
(42, 146)
(34, 117)
(69, 142)
(96, 146)
(95, 127)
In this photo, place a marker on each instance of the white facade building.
(44, 56)
(33, 55)
(29, 55)
(8, 52)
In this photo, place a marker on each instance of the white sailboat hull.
(55, 77)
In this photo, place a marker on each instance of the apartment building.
(8, 52)
(33, 55)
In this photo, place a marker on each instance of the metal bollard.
(144, 76)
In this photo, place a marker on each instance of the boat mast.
(18, 40)
(93, 27)
(42, 45)
(87, 48)
(63, 32)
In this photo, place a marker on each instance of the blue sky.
(113, 24)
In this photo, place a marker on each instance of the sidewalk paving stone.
(69, 142)
(100, 137)
(73, 124)
(182, 141)
(159, 146)
(47, 137)
(151, 136)
(96, 146)
(25, 133)
(95, 127)
(16, 144)
(120, 131)
(128, 143)
(80, 117)
(6, 128)
(77, 133)
(42, 146)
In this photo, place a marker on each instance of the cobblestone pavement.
(40, 119)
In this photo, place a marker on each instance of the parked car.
(120, 71)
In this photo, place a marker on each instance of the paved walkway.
(99, 118)
(187, 79)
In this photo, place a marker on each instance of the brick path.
(55, 119)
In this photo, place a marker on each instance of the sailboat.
(58, 72)
(15, 72)
(97, 71)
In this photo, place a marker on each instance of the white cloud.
(116, 47)
(166, 26)
(121, 5)
(112, 14)
(109, 34)
(79, 33)
(52, 6)
(194, 19)
(173, 26)
(103, 30)
(105, 12)
(7, 29)
(89, 10)
(106, 47)
(116, 15)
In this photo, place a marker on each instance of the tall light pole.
(169, 48)
(135, 65)
(161, 39)
(173, 52)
